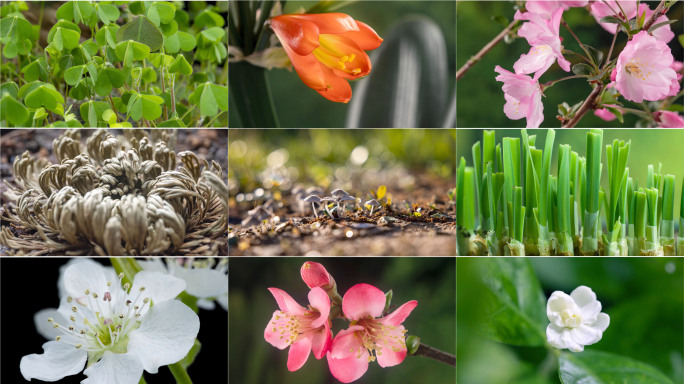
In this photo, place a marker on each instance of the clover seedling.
(151, 63)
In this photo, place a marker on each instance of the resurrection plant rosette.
(373, 333)
(116, 196)
(115, 329)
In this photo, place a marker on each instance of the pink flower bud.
(315, 275)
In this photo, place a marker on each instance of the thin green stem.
(215, 117)
(142, 380)
(610, 51)
(188, 111)
(179, 373)
(584, 48)
(551, 83)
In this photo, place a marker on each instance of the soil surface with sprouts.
(210, 144)
(421, 222)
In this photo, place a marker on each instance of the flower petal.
(109, 272)
(286, 303)
(203, 282)
(320, 301)
(166, 334)
(554, 335)
(336, 88)
(602, 322)
(583, 295)
(365, 37)
(586, 335)
(321, 341)
(272, 332)
(363, 300)
(159, 287)
(348, 369)
(346, 343)
(114, 368)
(85, 275)
(390, 357)
(558, 302)
(314, 274)
(57, 361)
(570, 342)
(45, 328)
(296, 34)
(299, 353)
(400, 314)
(329, 22)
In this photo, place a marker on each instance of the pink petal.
(321, 341)
(299, 353)
(287, 303)
(539, 60)
(363, 300)
(400, 314)
(320, 301)
(389, 357)
(604, 114)
(535, 111)
(314, 274)
(346, 343)
(348, 369)
(514, 109)
(272, 333)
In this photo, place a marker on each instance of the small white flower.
(576, 320)
(119, 331)
(206, 279)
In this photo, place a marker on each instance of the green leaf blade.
(593, 367)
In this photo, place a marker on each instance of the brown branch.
(586, 106)
(659, 11)
(433, 353)
(474, 59)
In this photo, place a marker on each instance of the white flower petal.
(165, 336)
(223, 302)
(202, 282)
(109, 273)
(601, 323)
(583, 296)
(554, 336)
(570, 342)
(45, 328)
(209, 305)
(586, 335)
(114, 368)
(154, 265)
(57, 361)
(85, 275)
(590, 311)
(159, 287)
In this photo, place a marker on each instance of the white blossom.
(206, 279)
(118, 330)
(576, 319)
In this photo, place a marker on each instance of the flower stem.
(436, 354)
(466, 67)
(180, 374)
(553, 82)
(127, 265)
(577, 38)
(142, 380)
(586, 106)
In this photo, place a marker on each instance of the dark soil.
(397, 231)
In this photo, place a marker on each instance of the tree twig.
(474, 59)
(586, 106)
(434, 353)
(659, 11)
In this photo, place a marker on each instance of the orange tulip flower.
(327, 49)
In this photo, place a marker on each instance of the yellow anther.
(356, 71)
(351, 57)
(344, 59)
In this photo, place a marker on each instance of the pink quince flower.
(545, 8)
(543, 36)
(315, 275)
(523, 97)
(369, 337)
(668, 119)
(625, 9)
(301, 329)
(663, 33)
(643, 70)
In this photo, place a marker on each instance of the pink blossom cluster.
(645, 69)
(369, 337)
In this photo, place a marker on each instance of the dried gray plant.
(117, 196)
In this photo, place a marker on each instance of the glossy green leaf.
(12, 111)
(214, 34)
(72, 76)
(64, 24)
(208, 18)
(44, 95)
(107, 35)
(65, 38)
(142, 30)
(107, 79)
(130, 50)
(14, 29)
(180, 64)
(78, 11)
(170, 28)
(515, 306)
(593, 367)
(180, 41)
(35, 70)
(161, 12)
(136, 7)
(108, 13)
(9, 88)
(91, 110)
(147, 106)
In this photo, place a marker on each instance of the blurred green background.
(430, 281)
(268, 157)
(644, 298)
(479, 95)
(649, 146)
(298, 106)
